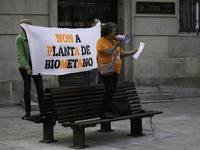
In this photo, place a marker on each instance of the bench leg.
(78, 138)
(136, 127)
(48, 133)
(106, 127)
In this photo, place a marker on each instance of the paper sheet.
(141, 47)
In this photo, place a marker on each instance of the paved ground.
(178, 128)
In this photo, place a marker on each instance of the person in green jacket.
(25, 69)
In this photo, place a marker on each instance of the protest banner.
(59, 51)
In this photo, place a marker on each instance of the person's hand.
(134, 51)
(29, 72)
(119, 43)
(102, 24)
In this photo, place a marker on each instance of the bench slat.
(79, 119)
(65, 108)
(78, 100)
(78, 109)
(71, 103)
(98, 121)
(81, 93)
(87, 88)
(80, 113)
(72, 97)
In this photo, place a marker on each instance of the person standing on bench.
(107, 49)
(25, 69)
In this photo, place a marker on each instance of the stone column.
(125, 27)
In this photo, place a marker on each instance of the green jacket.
(23, 52)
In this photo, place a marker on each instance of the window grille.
(189, 16)
(78, 13)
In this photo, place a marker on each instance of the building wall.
(41, 13)
(125, 26)
(168, 59)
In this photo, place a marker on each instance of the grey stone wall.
(125, 27)
(41, 13)
(169, 60)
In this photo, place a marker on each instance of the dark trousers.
(110, 83)
(27, 88)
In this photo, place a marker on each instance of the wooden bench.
(79, 107)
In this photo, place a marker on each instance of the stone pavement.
(178, 128)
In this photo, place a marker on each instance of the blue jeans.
(110, 83)
(27, 88)
(94, 77)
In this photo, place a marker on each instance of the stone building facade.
(170, 60)
(41, 13)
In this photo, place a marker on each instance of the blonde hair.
(27, 21)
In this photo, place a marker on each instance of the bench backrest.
(46, 111)
(47, 104)
(84, 102)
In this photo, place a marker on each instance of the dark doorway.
(77, 14)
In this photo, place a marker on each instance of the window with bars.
(78, 13)
(189, 16)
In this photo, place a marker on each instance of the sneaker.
(107, 115)
(26, 116)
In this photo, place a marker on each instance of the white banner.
(59, 51)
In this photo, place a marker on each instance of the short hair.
(108, 28)
(92, 21)
(27, 21)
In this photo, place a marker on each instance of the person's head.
(109, 29)
(27, 21)
(94, 21)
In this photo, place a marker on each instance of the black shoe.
(107, 115)
(26, 116)
(116, 115)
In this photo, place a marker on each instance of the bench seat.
(99, 121)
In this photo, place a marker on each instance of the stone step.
(153, 94)
(156, 97)
(34, 105)
(146, 90)
(34, 102)
(34, 97)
